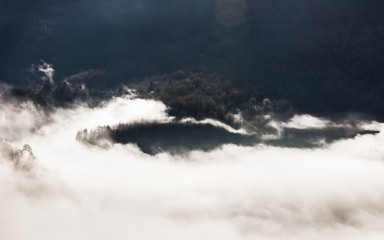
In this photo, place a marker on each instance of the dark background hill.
(325, 56)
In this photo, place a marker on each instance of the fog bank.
(79, 191)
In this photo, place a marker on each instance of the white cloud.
(235, 192)
(216, 124)
(47, 69)
(306, 121)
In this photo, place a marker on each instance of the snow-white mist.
(75, 191)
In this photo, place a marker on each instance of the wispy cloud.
(47, 69)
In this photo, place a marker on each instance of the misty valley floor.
(64, 188)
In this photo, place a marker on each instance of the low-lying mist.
(58, 187)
